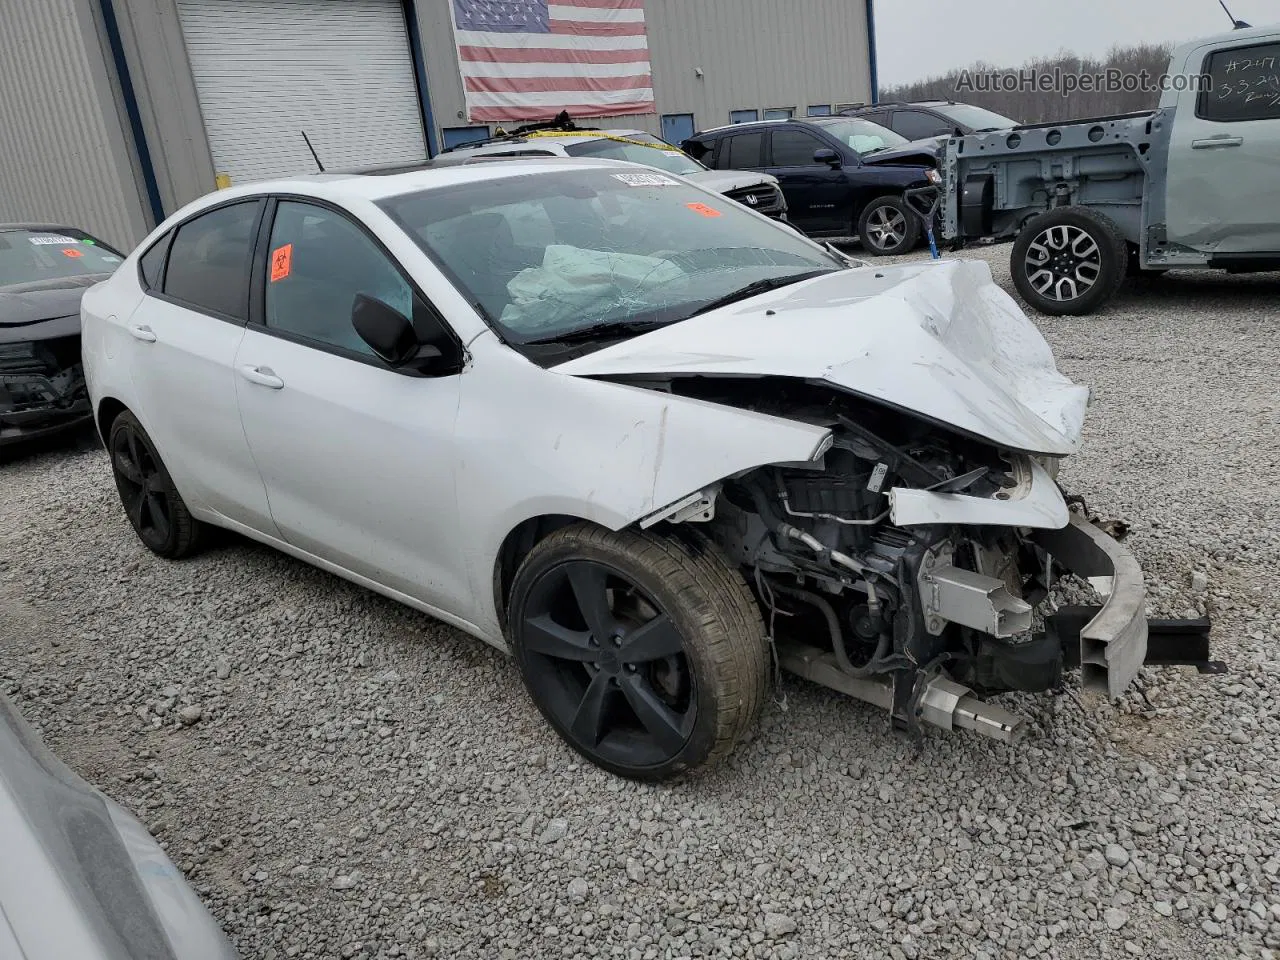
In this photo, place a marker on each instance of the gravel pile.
(341, 777)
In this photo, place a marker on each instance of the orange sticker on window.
(69, 252)
(281, 262)
(703, 209)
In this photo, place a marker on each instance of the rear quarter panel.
(105, 310)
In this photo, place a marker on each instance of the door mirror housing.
(400, 342)
(828, 156)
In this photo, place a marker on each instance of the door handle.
(140, 331)
(263, 376)
(1222, 140)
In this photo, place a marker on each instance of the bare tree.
(1032, 103)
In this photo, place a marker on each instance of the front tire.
(888, 227)
(644, 651)
(151, 501)
(1069, 261)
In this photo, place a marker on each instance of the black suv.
(932, 118)
(842, 176)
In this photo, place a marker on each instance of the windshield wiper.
(602, 330)
(758, 287)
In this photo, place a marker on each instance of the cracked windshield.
(563, 254)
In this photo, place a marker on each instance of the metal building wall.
(754, 54)
(65, 149)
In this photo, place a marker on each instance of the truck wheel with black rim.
(1069, 261)
(645, 651)
(888, 227)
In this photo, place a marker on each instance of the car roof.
(807, 121)
(535, 137)
(378, 184)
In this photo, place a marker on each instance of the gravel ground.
(342, 777)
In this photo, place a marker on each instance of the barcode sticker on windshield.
(52, 239)
(644, 179)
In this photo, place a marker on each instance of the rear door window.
(918, 125)
(794, 148)
(210, 260)
(1244, 84)
(151, 263)
(741, 152)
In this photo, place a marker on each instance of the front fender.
(536, 443)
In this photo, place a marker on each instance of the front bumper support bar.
(1113, 645)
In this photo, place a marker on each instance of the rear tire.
(1069, 261)
(152, 503)
(888, 227)
(644, 651)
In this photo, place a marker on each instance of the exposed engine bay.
(42, 387)
(901, 604)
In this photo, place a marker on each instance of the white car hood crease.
(722, 181)
(938, 339)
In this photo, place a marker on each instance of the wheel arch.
(878, 192)
(516, 545)
(108, 409)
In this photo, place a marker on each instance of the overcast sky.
(920, 38)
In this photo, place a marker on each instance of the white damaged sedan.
(643, 438)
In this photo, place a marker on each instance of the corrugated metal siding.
(267, 70)
(754, 54)
(63, 153)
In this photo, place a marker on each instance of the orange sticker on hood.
(703, 209)
(281, 262)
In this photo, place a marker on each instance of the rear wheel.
(645, 652)
(151, 501)
(1068, 261)
(888, 227)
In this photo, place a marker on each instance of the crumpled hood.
(722, 181)
(908, 153)
(25, 303)
(940, 340)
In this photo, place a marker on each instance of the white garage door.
(266, 70)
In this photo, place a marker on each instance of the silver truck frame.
(1090, 202)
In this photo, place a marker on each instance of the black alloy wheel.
(611, 664)
(151, 501)
(641, 677)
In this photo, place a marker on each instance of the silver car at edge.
(80, 878)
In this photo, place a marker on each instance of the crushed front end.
(42, 387)
(910, 566)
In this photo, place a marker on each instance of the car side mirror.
(828, 156)
(391, 335)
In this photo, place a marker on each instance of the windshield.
(975, 118)
(863, 136)
(638, 148)
(30, 256)
(553, 253)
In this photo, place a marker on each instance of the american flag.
(530, 59)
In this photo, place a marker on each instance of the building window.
(848, 106)
(780, 113)
(456, 136)
(743, 116)
(819, 110)
(677, 127)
